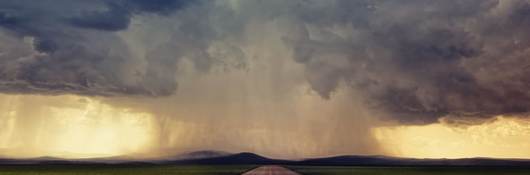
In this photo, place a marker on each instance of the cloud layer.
(63, 46)
(421, 60)
(414, 61)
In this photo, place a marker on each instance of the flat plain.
(354, 170)
(240, 169)
(124, 169)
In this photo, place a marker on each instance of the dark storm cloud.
(418, 61)
(70, 47)
(118, 13)
(415, 60)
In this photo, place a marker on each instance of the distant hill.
(55, 160)
(239, 158)
(224, 158)
(200, 155)
(393, 161)
(38, 160)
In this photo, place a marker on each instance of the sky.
(285, 79)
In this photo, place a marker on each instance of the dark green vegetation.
(122, 170)
(336, 170)
(238, 169)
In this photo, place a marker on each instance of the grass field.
(233, 170)
(122, 170)
(322, 170)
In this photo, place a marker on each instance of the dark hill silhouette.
(239, 158)
(393, 161)
(200, 155)
(224, 158)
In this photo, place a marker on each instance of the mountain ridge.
(212, 157)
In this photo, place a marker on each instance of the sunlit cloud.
(502, 138)
(70, 127)
(287, 79)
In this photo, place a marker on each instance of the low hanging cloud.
(63, 46)
(413, 60)
(418, 61)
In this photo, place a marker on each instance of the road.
(270, 170)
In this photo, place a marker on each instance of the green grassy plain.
(122, 170)
(238, 169)
(336, 170)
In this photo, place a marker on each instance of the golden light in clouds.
(502, 138)
(69, 127)
(84, 127)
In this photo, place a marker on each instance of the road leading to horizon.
(270, 170)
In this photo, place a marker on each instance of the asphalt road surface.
(270, 170)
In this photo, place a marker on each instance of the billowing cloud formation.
(283, 78)
(412, 60)
(63, 46)
(420, 60)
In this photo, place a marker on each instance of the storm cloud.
(63, 46)
(411, 60)
(420, 60)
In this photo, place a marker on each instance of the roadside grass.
(343, 170)
(123, 169)
(239, 169)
